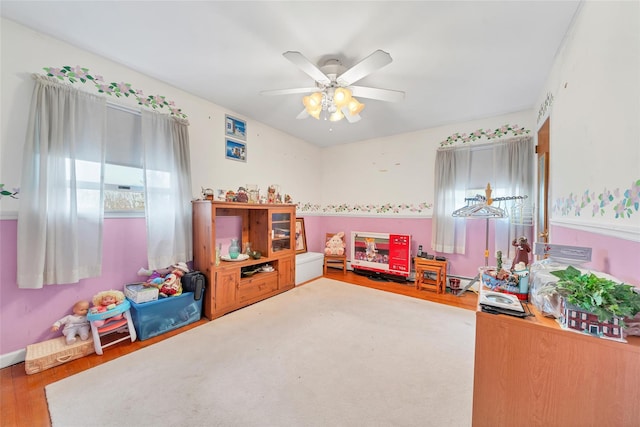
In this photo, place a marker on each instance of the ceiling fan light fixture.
(341, 97)
(355, 106)
(312, 101)
(315, 113)
(336, 116)
(313, 104)
(332, 95)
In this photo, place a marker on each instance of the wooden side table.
(424, 265)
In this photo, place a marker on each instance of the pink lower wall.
(617, 257)
(26, 315)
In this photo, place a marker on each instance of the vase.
(234, 249)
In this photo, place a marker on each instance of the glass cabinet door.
(281, 231)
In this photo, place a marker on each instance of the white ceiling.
(456, 60)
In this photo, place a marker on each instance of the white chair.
(103, 324)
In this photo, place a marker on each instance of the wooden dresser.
(531, 372)
(271, 230)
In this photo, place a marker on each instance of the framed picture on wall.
(235, 150)
(301, 237)
(235, 128)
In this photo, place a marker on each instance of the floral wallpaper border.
(504, 130)
(386, 208)
(81, 74)
(546, 105)
(13, 193)
(621, 204)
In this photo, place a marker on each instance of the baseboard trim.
(12, 358)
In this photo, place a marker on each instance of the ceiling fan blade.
(289, 91)
(376, 93)
(303, 114)
(307, 66)
(347, 115)
(371, 63)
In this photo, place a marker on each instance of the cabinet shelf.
(269, 229)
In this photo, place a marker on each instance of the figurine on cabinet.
(207, 193)
(271, 194)
(242, 196)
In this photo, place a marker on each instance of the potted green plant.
(602, 297)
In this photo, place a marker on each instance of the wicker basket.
(47, 354)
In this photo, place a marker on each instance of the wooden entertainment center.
(532, 372)
(270, 228)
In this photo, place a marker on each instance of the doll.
(172, 285)
(74, 324)
(167, 280)
(104, 301)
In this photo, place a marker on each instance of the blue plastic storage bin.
(166, 314)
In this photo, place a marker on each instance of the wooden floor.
(23, 400)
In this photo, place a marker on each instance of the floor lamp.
(481, 207)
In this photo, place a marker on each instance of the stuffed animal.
(335, 245)
(104, 301)
(74, 324)
(522, 251)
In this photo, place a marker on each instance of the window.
(123, 172)
(463, 172)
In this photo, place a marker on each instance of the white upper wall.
(398, 169)
(593, 100)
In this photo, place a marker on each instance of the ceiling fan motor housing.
(333, 68)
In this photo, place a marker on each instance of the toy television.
(381, 254)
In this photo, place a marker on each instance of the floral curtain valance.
(83, 75)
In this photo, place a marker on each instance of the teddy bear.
(522, 251)
(335, 245)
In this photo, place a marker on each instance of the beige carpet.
(323, 354)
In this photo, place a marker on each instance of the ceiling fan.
(334, 92)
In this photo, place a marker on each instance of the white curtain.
(61, 199)
(508, 165)
(515, 176)
(452, 169)
(167, 173)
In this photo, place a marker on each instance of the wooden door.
(542, 218)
